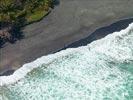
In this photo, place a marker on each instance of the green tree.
(16, 13)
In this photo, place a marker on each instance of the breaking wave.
(102, 70)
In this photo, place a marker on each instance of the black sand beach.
(70, 21)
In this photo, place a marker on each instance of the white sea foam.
(98, 45)
(102, 70)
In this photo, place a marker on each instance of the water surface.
(102, 70)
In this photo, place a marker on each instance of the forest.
(16, 13)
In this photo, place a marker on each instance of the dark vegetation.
(16, 13)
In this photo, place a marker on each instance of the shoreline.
(61, 28)
(114, 27)
(46, 60)
(105, 30)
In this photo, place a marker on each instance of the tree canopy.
(16, 13)
(31, 10)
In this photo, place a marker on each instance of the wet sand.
(70, 21)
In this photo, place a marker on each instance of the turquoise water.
(102, 70)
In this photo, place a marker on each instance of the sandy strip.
(70, 21)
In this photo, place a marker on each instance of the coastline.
(114, 27)
(49, 35)
(48, 60)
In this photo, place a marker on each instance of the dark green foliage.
(17, 13)
(12, 10)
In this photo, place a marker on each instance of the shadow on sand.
(101, 32)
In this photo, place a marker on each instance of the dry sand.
(70, 21)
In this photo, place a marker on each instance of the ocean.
(101, 70)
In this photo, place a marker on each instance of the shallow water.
(102, 70)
